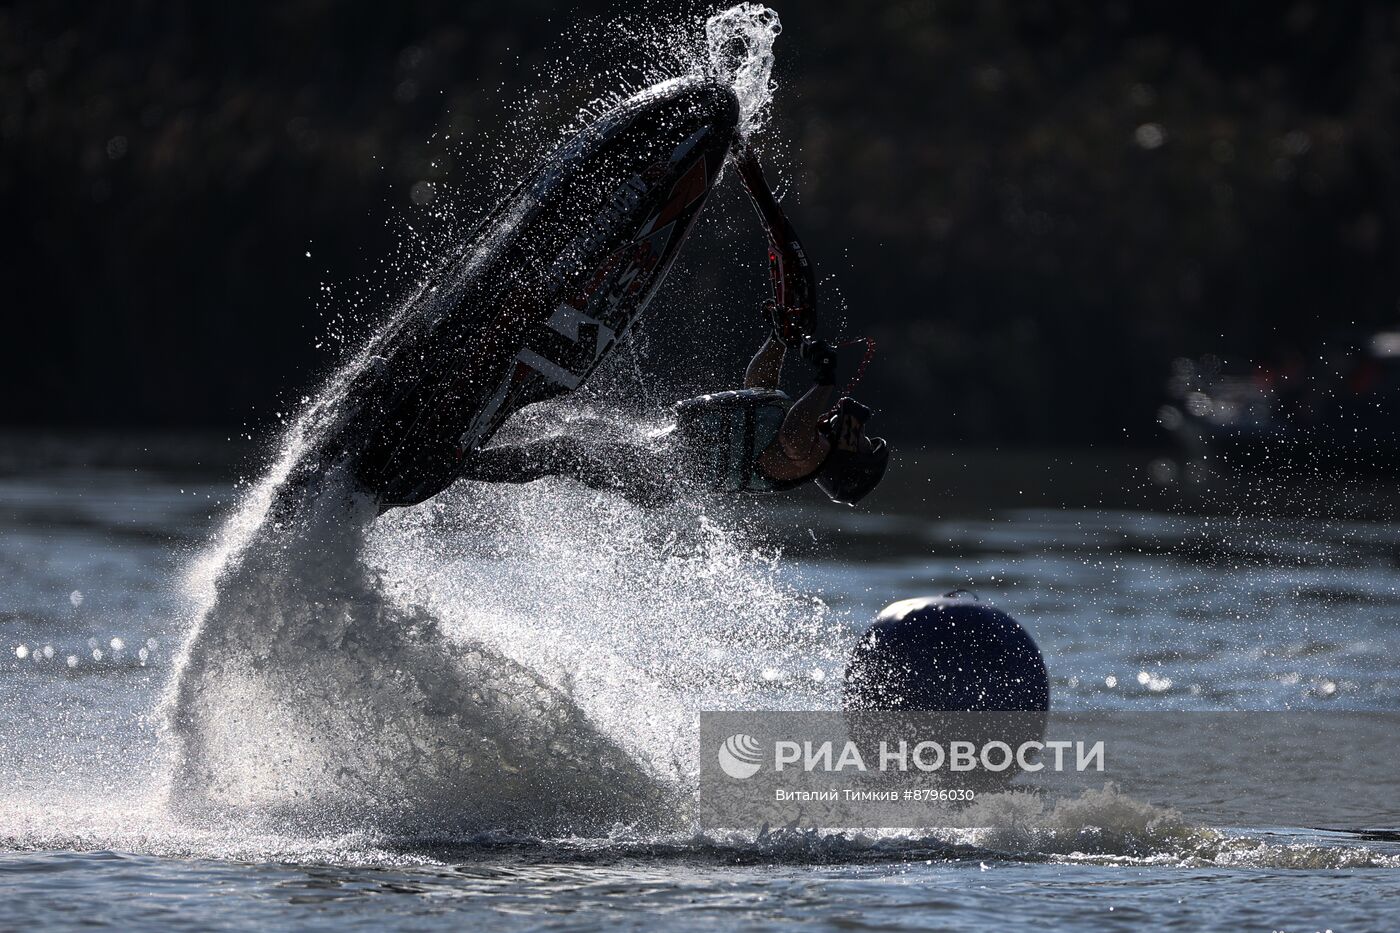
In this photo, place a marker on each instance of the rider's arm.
(800, 447)
(766, 368)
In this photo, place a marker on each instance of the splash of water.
(739, 42)
(529, 658)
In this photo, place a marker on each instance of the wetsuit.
(714, 446)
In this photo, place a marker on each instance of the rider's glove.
(822, 357)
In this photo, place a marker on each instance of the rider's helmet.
(857, 462)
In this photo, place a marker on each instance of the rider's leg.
(631, 470)
(519, 463)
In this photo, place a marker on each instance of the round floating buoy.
(946, 654)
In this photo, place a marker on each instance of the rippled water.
(1133, 609)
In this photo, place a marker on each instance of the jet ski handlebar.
(794, 284)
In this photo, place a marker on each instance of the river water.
(637, 623)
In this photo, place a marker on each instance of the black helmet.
(850, 473)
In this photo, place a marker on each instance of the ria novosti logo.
(739, 756)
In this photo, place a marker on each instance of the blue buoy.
(948, 653)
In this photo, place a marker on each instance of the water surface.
(1134, 609)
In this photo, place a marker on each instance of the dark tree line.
(1033, 206)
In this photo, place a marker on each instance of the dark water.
(1133, 608)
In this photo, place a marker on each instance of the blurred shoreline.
(957, 481)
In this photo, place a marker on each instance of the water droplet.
(422, 192)
(1150, 136)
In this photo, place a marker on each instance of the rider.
(754, 439)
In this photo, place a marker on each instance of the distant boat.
(1336, 412)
